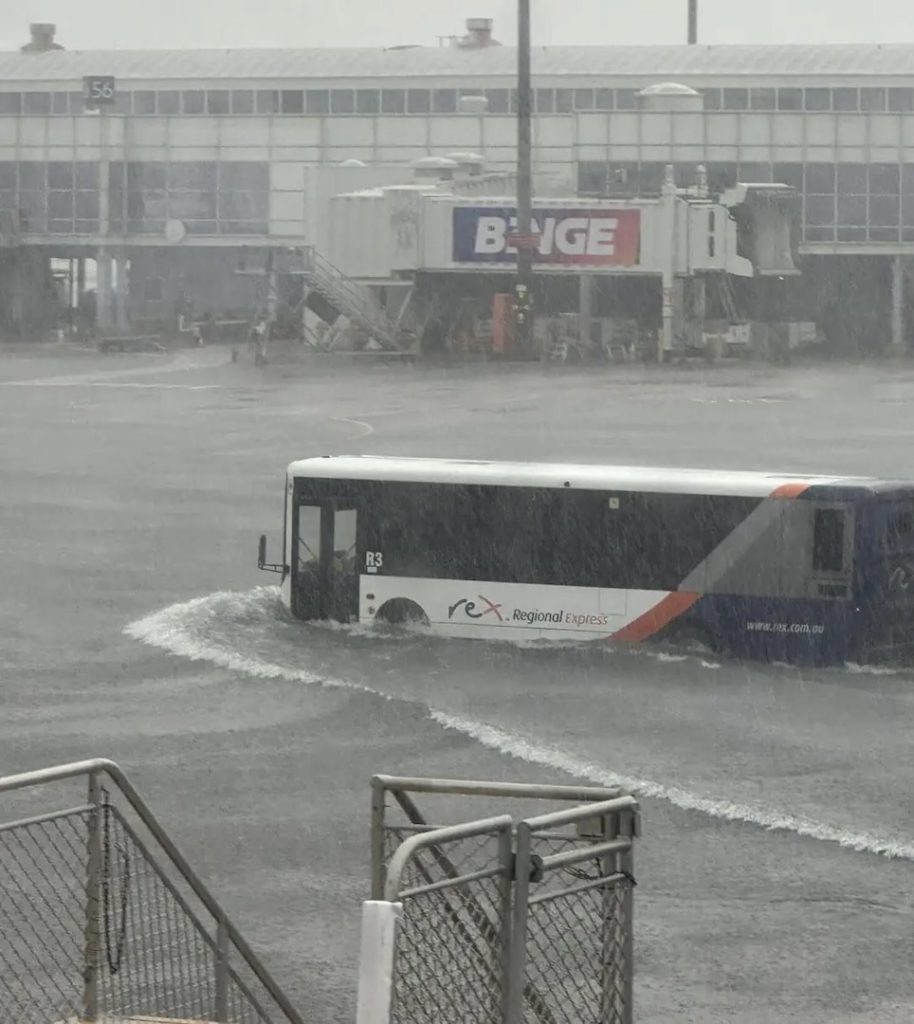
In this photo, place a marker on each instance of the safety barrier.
(492, 921)
(102, 918)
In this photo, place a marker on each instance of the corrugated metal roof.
(689, 62)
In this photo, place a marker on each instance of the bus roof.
(738, 483)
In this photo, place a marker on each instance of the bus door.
(325, 584)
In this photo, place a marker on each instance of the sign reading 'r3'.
(373, 561)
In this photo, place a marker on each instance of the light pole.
(693, 22)
(523, 288)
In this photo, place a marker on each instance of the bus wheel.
(401, 612)
(695, 638)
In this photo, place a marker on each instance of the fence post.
(627, 864)
(93, 880)
(378, 962)
(220, 1008)
(517, 960)
(506, 887)
(378, 868)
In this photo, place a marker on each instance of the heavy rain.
(559, 359)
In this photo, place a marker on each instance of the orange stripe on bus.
(789, 490)
(653, 620)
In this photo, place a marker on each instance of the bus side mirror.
(262, 551)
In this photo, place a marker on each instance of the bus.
(802, 569)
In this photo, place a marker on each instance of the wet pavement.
(134, 625)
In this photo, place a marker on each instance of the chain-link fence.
(501, 922)
(101, 917)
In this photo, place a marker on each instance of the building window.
(592, 178)
(845, 98)
(564, 101)
(193, 101)
(790, 99)
(820, 179)
(885, 211)
(583, 99)
(267, 101)
(818, 99)
(884, 179)
(342, 101)
(60, 176)
(901, 100)
(872, 100)
(144, 102)
(294, 101)
(217, 101)
(85, 174)
(444, 101)
(626, 99)
(36, 103)
(242, 101)
(545, 101)
(712, 99)
(736, 99)
(754, 172)
(851, 179)
(169, 102)
(418, 101)
(60, 103)
(603, 99)
(367, 101)
(393, 101)
(762, 99)
(788, 174)
(498, 101)
(820, 210)
(10, 103)
(852, 210)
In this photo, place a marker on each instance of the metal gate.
(102, 918)
(523, 921)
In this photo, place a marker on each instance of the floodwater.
(775, 870)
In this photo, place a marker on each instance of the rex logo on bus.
(594, 237)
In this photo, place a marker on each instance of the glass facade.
(209, 197)
(229, 198)
(840, 202)
(406, 101)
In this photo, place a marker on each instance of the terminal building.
(205, 157)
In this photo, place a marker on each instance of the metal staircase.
(103, 920)
(354, 301)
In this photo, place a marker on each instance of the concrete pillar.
(898, 339)
(585, 308)
(668, 218)
(123, 293)
(103, 290)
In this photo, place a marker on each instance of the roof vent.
(670, 96)
(434, 168)
(42, 40)
(479, 35)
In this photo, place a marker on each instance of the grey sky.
(178, 24)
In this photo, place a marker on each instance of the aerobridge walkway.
(495, 921)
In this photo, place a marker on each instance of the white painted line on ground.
(107, 384)
(367, 428)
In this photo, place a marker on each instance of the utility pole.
(523, 289)
(693, 22)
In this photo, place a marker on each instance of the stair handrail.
(94, 767)
(373, 315)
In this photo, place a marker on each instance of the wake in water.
(251, 633)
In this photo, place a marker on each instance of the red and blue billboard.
(568, 236)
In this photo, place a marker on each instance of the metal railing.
(101, 916)
(504, 922)
(351, 299)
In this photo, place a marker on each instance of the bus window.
(899, 530)
(309, 538)
(828, 540)
(344, 535)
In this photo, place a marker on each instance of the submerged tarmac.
(776, 865)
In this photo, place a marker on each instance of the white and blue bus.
(806, 569)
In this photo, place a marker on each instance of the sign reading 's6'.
(98, 90)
